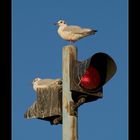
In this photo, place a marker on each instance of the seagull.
(39, 83)
(73, 33)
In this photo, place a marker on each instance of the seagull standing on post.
(73, 33)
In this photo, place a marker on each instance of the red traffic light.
(89, 76)
(91, 79)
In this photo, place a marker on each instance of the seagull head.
(60, 23)
(36, 80)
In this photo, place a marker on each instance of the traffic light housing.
(88, 77)
(48, 105)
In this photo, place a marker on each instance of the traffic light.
(88, 77)
(83, 82)
(48, 105)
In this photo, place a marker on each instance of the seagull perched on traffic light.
(73, 33)
(39, 83)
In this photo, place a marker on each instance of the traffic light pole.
(69, 127)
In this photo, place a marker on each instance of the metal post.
(70, 131)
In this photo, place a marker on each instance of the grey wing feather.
(76, 29)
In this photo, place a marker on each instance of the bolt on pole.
(69, 127)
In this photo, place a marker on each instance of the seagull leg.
(71, 41)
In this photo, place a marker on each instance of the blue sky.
(37, 52)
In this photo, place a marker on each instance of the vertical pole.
(69, 126)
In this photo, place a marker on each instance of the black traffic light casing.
(102, 67)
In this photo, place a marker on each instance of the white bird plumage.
(39, 83)
(73, 33)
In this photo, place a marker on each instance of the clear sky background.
(37, 52)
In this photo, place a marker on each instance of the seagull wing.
(78, 30)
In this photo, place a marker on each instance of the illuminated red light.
(91, 78)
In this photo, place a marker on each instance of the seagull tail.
(93, 32)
